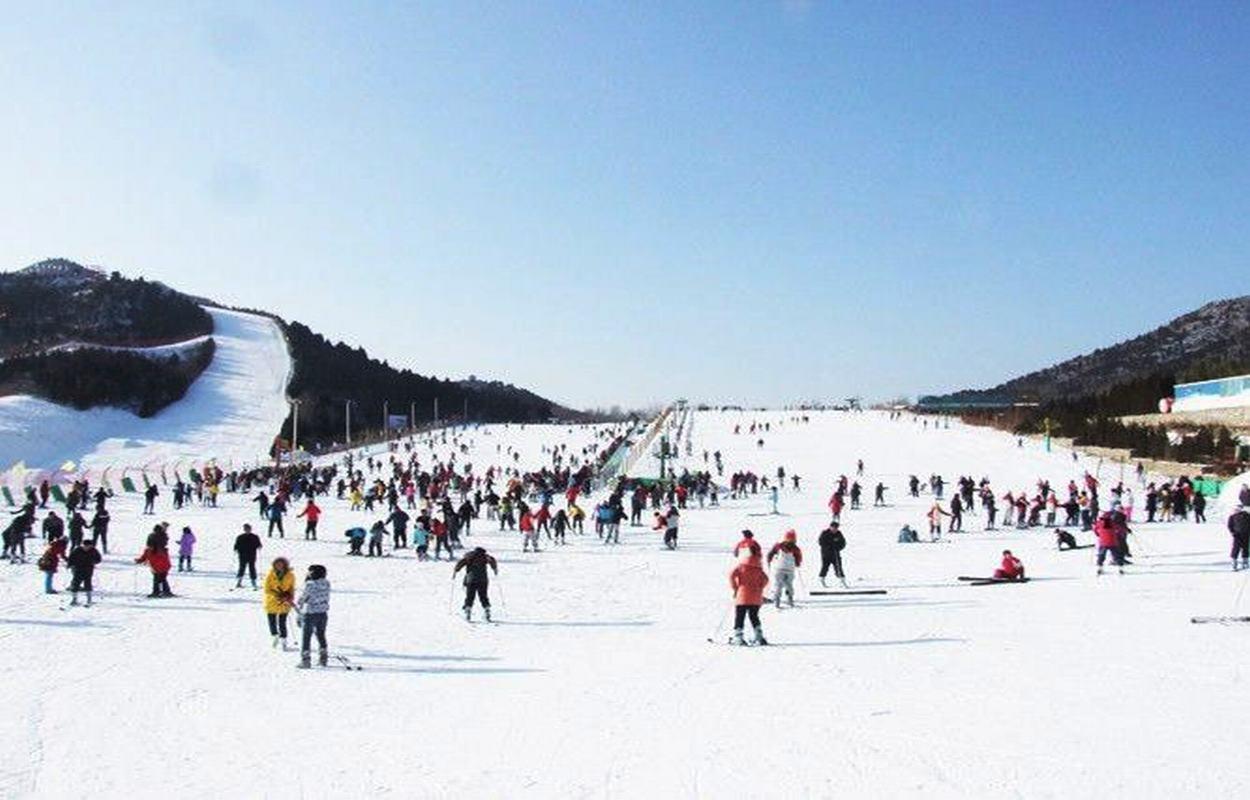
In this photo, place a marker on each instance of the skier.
(832, 543)
(935, 520)
(311, 513)
(245, 545)
(82, 563)
(53, 527)
(747, 580)
(1108, 542)
(476, 579)
(50, 561)
(376, 534)
(1239, 527)
(313, 608)
(279, 598)
(669, 522)
(528, 534)
(1012, 569)
(157, 559)
(186, 549)
(149, 499)
(398, 520)
(100, 527)
(789, 558)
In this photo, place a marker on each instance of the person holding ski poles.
(747, 580)
(476, 580)
(789, 558)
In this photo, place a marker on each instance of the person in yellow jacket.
(279, 599)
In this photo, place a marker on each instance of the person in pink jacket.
(748, 580)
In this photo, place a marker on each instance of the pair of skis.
(990, 581)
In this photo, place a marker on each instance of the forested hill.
(1210, 342)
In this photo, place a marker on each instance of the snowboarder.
(313, 608)
(476, 579)
(279, 598)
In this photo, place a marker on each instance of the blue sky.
(623, 202)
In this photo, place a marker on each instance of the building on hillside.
(1219, 393)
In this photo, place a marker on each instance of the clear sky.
(624, 202)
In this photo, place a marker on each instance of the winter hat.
(748, 535)
(791, 536)
(316, 571)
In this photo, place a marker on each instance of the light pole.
(295, 427)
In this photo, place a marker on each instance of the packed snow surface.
(231, 412)
(599, 680)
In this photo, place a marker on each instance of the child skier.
(747, 580)
(789, 558)
(50, 561)
(186, 548)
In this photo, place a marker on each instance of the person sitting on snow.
(1012, 568)
(1065, 540)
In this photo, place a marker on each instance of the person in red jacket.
(50, 561)
(312, 513)
(1012, 568)
(748, 580)
(747, 545)
(157, 560)
(528, 534)
(1109, 541)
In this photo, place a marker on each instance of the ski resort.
(624, 401)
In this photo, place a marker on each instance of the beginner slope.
(231, 412)
(598, 680)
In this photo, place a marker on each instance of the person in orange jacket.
(157, 560)
(747, 545)
(311, 513)
(748, 580)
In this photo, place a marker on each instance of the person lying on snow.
(1012, 568)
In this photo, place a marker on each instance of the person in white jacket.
(789, 558)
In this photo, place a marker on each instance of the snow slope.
(599, 680)
(231, 412)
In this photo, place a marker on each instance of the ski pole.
(451, 593)
(720, 624)
(503, 599)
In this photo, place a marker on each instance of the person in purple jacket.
(186, 548)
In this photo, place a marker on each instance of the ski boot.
(823, 584)
(845, 585)
(305, 660)
(468, 614)
(238, 584)
(88, 599)
(487, 612)
(1245, 564)
(275, 643)
(737, 638)
(254, 584)
(323, 657)
(759, 637)
(74, 601)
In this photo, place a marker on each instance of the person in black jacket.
(53, 527)
(100, 527)
(246, 545)
(476, 579)
(77, 525)
(1239, 527)
(831, 542)
(82, 561)
(398, 521)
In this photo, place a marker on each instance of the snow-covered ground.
(231, 413)
(599, 680)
